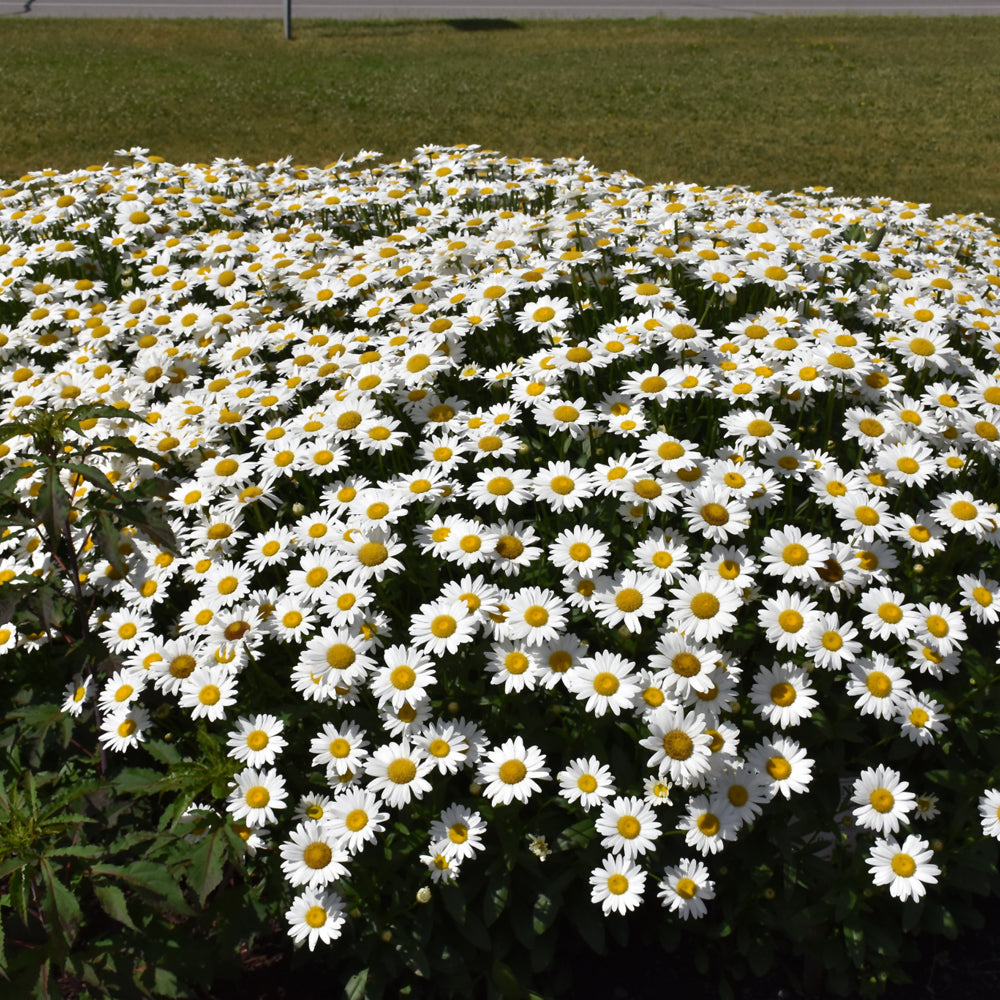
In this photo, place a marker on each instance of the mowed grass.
(904, 107)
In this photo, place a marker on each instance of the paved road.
(511, 9)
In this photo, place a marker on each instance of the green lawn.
(904, 107)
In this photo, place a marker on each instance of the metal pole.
(288, 20)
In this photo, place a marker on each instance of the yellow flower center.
(878, 683)
(356, 819)
(536, 616)
(704, 606)
(372, 554)
(317, 855)
(778, 768)
(795, 554)
(783, 694)
(512, 771)
(708, 824)
(257, 797)
(617, 885)
(443, 626)
(340, 656)
(903, 865)
(209, 695)
(629, 827)
(678, 745)
(963, 510)
(257, 740)
(402, 678)
(606, 684)
(628, 599)
(882, 800)
(401, 771)
(686, 888)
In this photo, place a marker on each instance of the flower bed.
(450, 553)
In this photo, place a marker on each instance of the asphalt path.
(485, 9)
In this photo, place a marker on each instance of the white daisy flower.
(586, 781)
(632, 597)
(705, 830)
(257, 741)
(882, 799)
(256, 795)
(783, 763)
(443, 626)
(989, 812)
(605, 681)
(312, 855)
(879, 686)
(398, 773)
(617, 885)
(316, 917)
(782, 695)
(684, 888)
(680, 744)
(581, 549)
(704, 607)
(509, 772)
(460, 830)
(904, 868)
(628, 827)
(355, 819)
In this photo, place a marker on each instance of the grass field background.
(904, 107)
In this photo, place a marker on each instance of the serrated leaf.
(134, 780)
(152, 523)
(207, 861)
(112, 901)
(165, 983)
(19, 889)
(152, 880)
(165, 753)
(61, 906)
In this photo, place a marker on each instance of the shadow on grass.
(482, 24)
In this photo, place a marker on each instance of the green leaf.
(112, 901)
(876, 238)
(207, 861)
(152, 880)
(495, 898)
(61, 906)
(165, 983)
(152, 523)
(356, 987)
(94, 476)
(590, 923)
(19, 890)
(543, 913)
(106, 537)
(506, 982)
(52, 506)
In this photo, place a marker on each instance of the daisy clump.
(525, 527)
